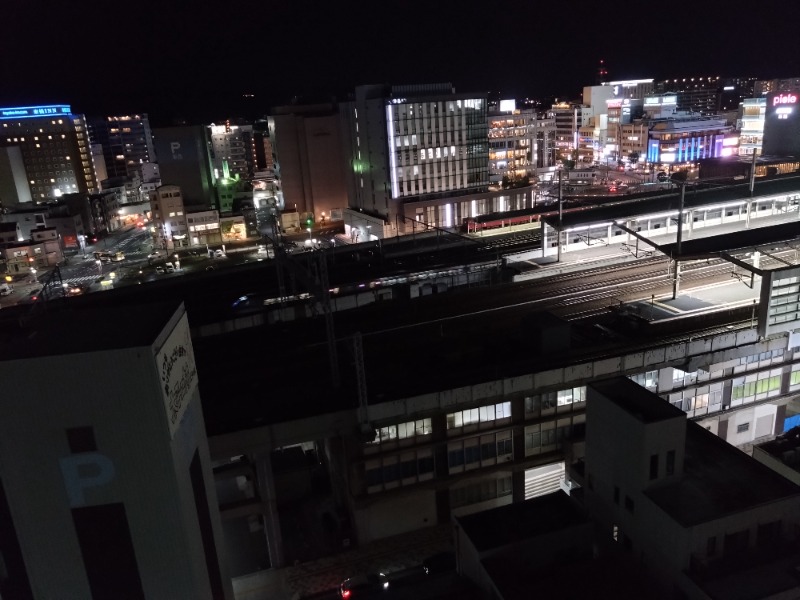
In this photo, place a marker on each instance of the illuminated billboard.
(34, 112)
(782, 125)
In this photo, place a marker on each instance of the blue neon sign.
(32, 112)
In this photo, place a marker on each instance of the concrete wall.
(395, 514)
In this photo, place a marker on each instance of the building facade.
(234, 145)
(126, 141)
(751, 126)
(55, 149)
(123, 503)
(184, 160)
(169, 226)
(413, 143)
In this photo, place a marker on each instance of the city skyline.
(210, 65)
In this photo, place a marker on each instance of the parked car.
(169, 267)
(5, 289)
(218, 254)
(363, 584)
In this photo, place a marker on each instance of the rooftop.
(54, 330)
(636, 400)
(718, 480)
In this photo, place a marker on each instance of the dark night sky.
(176, 58)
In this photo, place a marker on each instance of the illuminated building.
(751, 125)
(127, 143)
(232, 144)
(568, 119)
(169, 225)
(771, 86)
(520, 142)
(55, 149)
(412, 144)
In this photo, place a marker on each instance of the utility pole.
(677, 271)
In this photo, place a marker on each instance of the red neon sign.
(784, 99)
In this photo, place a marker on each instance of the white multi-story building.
(412, 143)
(169, 228)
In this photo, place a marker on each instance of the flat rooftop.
(56, 329)
(520, 521)
(636, 400)
(718, 480)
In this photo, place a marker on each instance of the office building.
(233, 145)
(55, 149)
(410, 144)
(569, 118)
(107, 492)
(126, 142)
(184, 160)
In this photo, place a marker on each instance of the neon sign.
(784, 99)
(31, 112)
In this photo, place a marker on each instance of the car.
(32, 296)
(439, 563)
(160, 270)
(363, 584)
(218, 254)
(154, 254)
(5, 289)
(169, 267)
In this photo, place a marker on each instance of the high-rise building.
(55, 149)
(232, 144)
(127, 143)
(107, 492)
(414, 143)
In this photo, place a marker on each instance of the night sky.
(177, 59)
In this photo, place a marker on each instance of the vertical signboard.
(782, 125)
(177, 373)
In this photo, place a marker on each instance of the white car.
(219, 254)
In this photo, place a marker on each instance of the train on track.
(517, 217)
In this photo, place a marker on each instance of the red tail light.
(345, 594)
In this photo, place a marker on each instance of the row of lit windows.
(483, 414)
(403, 431)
